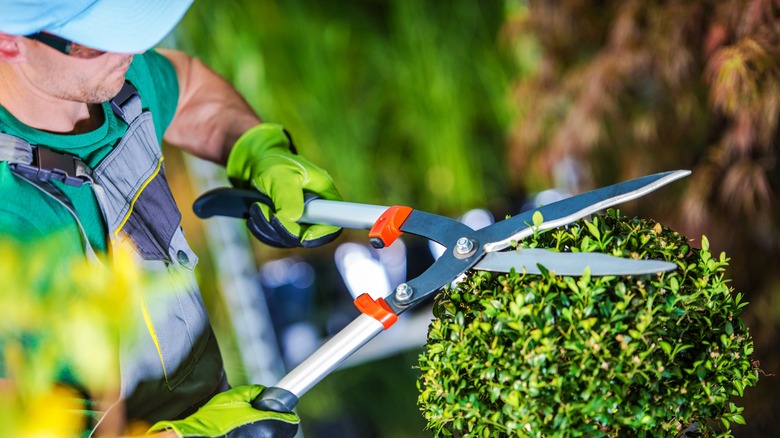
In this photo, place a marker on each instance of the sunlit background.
(477, 110)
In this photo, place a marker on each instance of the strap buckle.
(119, 101)
(49, 165)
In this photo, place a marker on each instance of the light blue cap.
(125, 26)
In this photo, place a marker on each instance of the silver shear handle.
(283, 396)
(232, 202)
(341, 214)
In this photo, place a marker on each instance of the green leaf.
(537, 219)
(594, 230)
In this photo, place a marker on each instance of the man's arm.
(211, 115)
(214, 122)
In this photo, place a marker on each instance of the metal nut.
(464, 245)
(403, 292)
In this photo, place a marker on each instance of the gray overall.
(173, 365)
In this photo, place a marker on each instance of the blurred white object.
(545, 197)
(369, 271)
(299, 340)
(288, 270)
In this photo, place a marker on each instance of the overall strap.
(38, 166)
(14, 149)
(127, 103)
(42, 163)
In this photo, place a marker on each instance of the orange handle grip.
(379, 309)
(388, 227)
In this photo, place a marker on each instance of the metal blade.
(569, 263)
(516, 228)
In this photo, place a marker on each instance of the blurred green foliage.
(402, 101)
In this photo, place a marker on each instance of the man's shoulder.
(24, 209)
(151, 70)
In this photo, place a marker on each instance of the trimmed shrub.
(546, 355)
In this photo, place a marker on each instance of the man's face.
(66, 77)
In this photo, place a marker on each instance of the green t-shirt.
(27, 214)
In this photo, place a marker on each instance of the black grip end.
(229, 202)
(276, 400)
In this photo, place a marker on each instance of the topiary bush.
(546, 355)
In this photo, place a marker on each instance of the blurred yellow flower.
(61, 317)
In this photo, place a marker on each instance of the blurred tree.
(626, 88)
(402, 101)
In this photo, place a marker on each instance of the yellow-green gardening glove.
(265, 159)
(230, 414)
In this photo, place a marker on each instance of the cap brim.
(124, 26)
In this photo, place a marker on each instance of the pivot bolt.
(464, 246)
(403, 292)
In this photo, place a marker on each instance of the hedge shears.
(489, 249)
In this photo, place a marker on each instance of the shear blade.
(568, 263)
(501, 235)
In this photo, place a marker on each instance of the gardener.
(84, 104)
